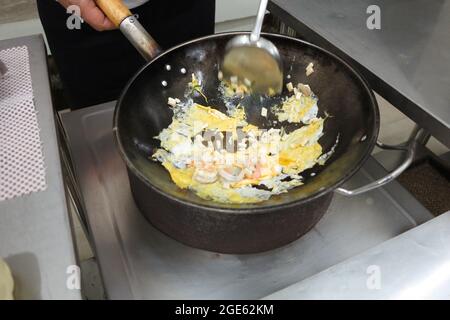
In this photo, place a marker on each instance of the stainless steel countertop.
(414, 265)
(35, 231)
(407, 61)
(139, 262)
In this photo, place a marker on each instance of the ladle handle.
(259, 21)
(121, 16)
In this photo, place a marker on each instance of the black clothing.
(95, 66)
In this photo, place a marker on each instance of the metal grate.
(22, 168)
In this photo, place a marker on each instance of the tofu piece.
(290, 86)
(309, 69)
(264, 112)
(173, 102)
(304, 89)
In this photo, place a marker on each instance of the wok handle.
(128, 24)
(409, 147)
(115, 10)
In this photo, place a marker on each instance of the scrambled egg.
(301, 107)
(223, 158)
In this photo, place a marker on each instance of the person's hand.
(90, 13)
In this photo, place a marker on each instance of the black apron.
(95, 66)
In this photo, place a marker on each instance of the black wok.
(142, 112)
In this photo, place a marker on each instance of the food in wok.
(224, 158)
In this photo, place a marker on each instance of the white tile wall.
(21, 29)
(227, 10)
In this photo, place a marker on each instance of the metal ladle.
(255, 61)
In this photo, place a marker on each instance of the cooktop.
(137, 261)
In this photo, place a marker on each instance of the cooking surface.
(29, 224)
(407, 61)
(137, 261)
(414, 265)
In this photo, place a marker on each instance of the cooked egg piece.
(309, 69)
(298, 109)
(273, 158)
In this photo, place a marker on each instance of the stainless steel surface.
(137, 261)
(414, 265)
(139, 38)
(35, 232)
(254, 59)
(72, 192)
(407, 61)
(409, 148)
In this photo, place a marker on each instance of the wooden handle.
(115, 10)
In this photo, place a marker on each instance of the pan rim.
(258, 208)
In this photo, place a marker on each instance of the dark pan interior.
(142, 112)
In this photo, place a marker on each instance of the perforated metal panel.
(22, 168)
